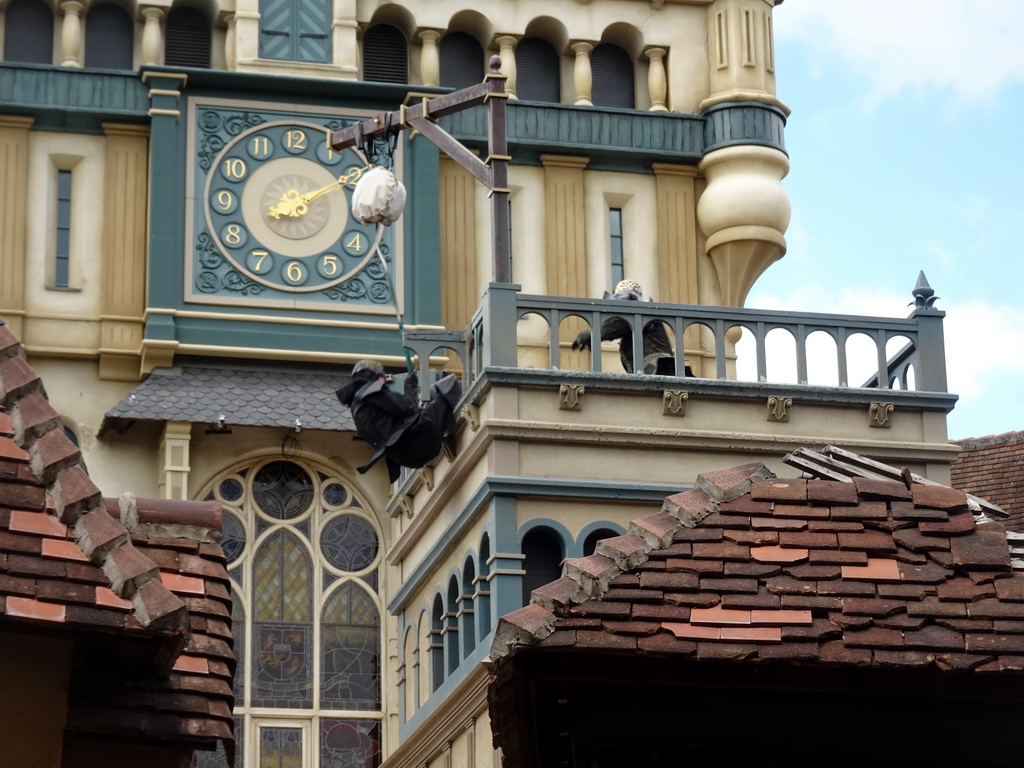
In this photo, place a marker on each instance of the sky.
(907, 154)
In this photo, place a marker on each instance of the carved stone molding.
(879, 413)
(778, 408)
(471, 415)
(674, 402)
(570, 397)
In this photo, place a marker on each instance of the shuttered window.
(295, 30)
(462, 60)
(187, 38)
(28, 33)
(538, 76)
(109, 37)
(385, 55)
(614, 84)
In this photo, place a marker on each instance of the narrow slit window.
(62, 259)
(615, 244)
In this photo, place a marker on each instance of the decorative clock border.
(197, 240)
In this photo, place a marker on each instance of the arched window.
(187, 38)
(466, 607)
(28, 32)
(543, 564)
(451, 635)
(109, 37)
(385, 54)
(483, 607)
(590, 543)
(295, 30)
(462, 60)
(437, 643)
(614, 84)
(538, 75)
(303, 554)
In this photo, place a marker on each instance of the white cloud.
(911, 46)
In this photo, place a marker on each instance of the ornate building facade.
(191, 333)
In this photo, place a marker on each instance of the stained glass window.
(302, 549)
(350, 664)
(282, 623)
(280, 748)
(348, 542)
(283, 489)
(349, 743)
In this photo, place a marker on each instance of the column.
(13, 218)
(430, 59)
(152, 36)
(71, 33)
(174, 449)
(657, 82)
(582, 77)
(507, 47)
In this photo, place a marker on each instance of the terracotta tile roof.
(993, 467)
(752, 568)
(124, 577)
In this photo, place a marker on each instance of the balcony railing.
(493, 340)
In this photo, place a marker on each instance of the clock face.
(271, 214)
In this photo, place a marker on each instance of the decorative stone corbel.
(471, 415)
(570, 397)
(404, 503)
(778, 408)
(426, 475)
(674, 402)
(879, 413)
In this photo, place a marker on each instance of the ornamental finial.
(495, 63)
(924, 296)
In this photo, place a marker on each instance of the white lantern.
(379, 197)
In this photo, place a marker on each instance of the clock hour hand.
(293, 204)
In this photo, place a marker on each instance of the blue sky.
(907, 154)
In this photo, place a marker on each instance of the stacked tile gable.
(140, 581)
(751, 568)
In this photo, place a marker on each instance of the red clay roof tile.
(820, 571)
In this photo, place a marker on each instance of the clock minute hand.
(294, 205)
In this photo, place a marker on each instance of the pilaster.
(460, 284)
(125, 195)
(174, 460)
(13, 217)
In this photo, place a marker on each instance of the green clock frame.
(268, 219)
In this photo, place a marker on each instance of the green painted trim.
(510, 486)
(422, 233)
(624, 139)
(439, 698)
(72, 99)
(727, 125)
(296, 90)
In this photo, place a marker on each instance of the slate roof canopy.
(141, 582)
(254, 394)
